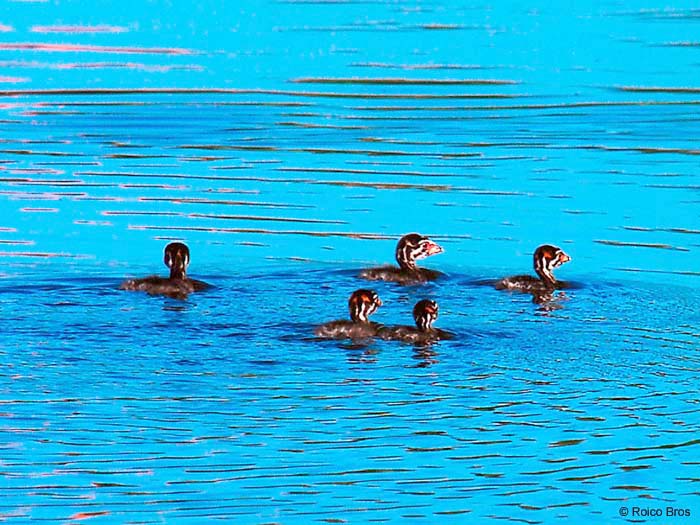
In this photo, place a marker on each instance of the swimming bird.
(177, 285)
(409, 249)
(362, 304)
(425, 313)
(545, 259)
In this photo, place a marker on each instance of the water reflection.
(549, 301)
(358, 353)
(426, 354)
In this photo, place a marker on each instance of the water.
(290, 144)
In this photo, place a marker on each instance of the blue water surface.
(290, 144)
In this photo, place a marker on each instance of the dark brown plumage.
(545, 259)
(362, 304)
(177, 285)
(425, 313)
(410, 248)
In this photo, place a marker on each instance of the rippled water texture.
(290, 144)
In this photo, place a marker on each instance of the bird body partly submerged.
(362, 304)
(425, 313)
(413, 335)
(156, 285)
(545, 260)
(410, 248)
(525, 283)
(532, 285)
(346, 329)
(400, 275)
(177, 285)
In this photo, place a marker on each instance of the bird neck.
(547, 277)
(178, 272)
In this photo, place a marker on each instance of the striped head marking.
(413, 247)
(546, 259)
(425, 313)
(177, 258)
(362, 304)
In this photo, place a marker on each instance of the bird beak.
(434, 248)
(563, 258)
(379, 301)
